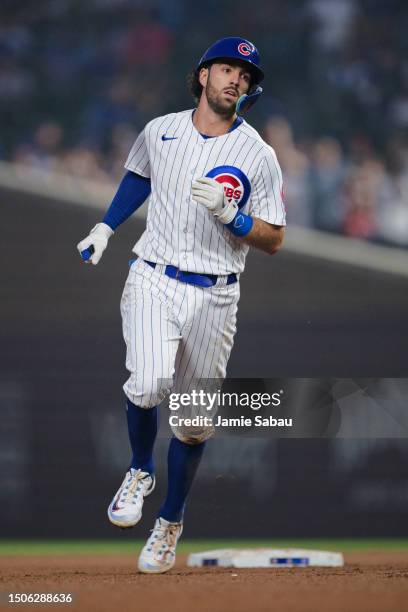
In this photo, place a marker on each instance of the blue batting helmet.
(235, 47)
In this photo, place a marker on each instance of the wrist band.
(241, 224)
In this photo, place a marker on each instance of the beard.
(217, 103)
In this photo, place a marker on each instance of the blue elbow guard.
(241, 225)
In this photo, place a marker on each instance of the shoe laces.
(163, 537)
(132, 487)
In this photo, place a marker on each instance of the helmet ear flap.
(245, 101)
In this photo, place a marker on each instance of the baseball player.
(214, 189)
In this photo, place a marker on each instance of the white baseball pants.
(175, 334)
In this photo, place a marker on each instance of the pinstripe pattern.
(178, 230)
(178, 336)
(175, 334)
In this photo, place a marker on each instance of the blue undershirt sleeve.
(132, 192)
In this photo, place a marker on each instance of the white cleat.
(159, 552)
(125, 509)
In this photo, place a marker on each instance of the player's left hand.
(210, 193)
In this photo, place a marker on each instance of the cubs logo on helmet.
(245, 49)
(236, 184)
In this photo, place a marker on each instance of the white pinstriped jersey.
(179, 231)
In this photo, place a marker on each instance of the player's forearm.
(132, 192)
(264, 236)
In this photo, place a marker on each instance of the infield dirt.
(372, 582)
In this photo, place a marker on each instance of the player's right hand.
(98, 239)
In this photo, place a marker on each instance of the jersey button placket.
(193, 172)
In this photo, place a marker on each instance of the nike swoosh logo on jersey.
(164, 137)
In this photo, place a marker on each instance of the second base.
(266, 557)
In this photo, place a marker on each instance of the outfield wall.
(63, 442)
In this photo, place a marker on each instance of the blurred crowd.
(79, 80)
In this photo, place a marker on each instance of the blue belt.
(193, 278)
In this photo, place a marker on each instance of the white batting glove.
(210, 193)
(98, 239)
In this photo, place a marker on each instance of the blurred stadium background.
(77, 82)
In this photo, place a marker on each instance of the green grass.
(85, 547)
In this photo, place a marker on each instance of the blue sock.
(182, 463)
(142, 427)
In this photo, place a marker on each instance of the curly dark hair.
(194, 85)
